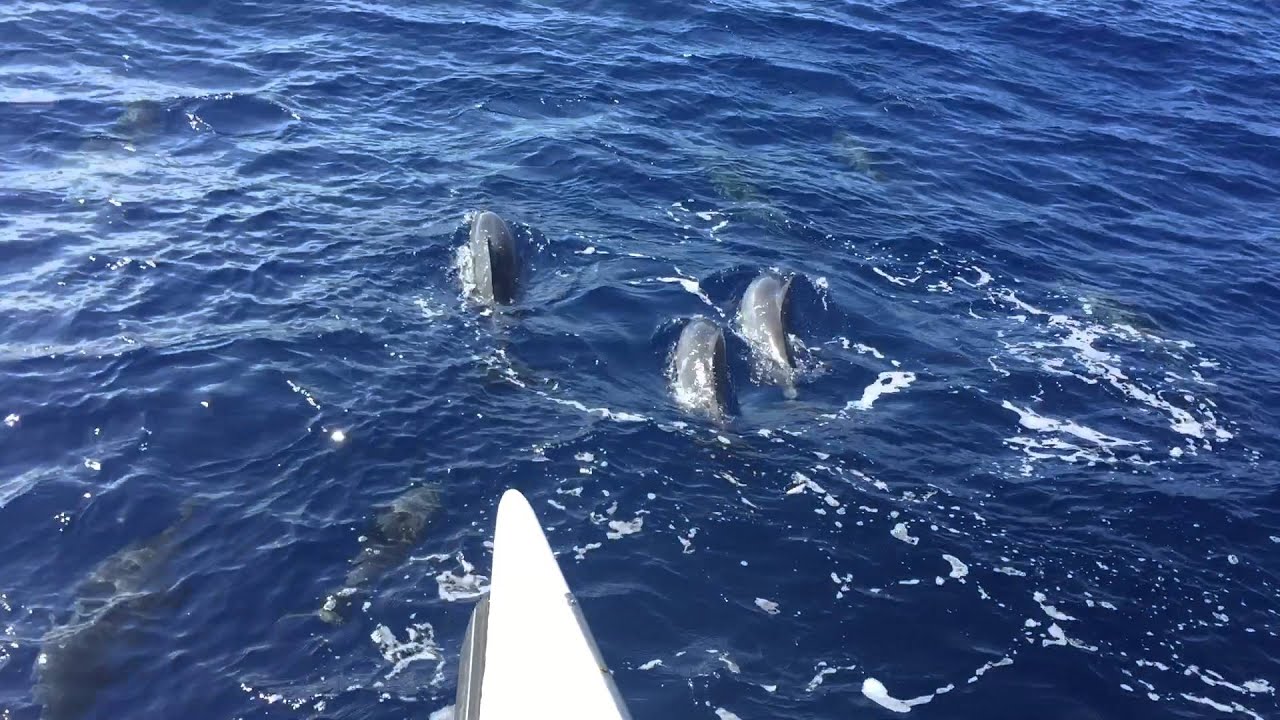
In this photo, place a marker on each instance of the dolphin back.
(765, 315)
(701, 368)
(494, 263)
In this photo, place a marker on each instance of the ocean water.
(1030, 471)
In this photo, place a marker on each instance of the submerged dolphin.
(700, 369)
(763, 320)
(494, 267)
(75, 660)
(396, 531)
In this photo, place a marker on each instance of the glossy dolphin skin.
(396, 530)
(763, 321)
(700, 369)
(494, 266)
(76, 658)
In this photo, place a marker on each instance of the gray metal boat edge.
(471, 663)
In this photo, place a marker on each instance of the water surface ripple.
(1030, 471)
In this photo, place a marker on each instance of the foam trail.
(1030, 420)
(690, 286)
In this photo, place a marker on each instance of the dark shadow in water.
(81, 657)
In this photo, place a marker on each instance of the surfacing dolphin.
(387, 544)
(764, 322)
(700, 369)
(494, 263)
(75, 660)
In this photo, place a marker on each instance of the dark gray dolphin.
(700, 369)
(764, 322)
(494, 264)
(75, 660)
(395, 532)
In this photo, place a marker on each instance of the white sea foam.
(984, 277)
(606, 413)
(467, 585)
(986, 667)
(875, 691)
(1049, 610)
(305, 393)
(690, 286)
(802, 482)
(1008, 296)
(686, 542)
(903, 281)
(1249, 687)
(1058, 636)
(316, 700)
(768, 606)
(430, 310)
(581, 552)
(1032, 421)
(1085, 362)
(819, 677)
(886, 384)
(900, 532)
(958, 569)
(1234, 707)
(419, 644)
(823, 670)
(620, 528)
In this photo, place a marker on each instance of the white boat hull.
(528, 651)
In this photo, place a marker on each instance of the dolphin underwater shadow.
(76, 660)
(388, 543)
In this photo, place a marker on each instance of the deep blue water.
(228, 231)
